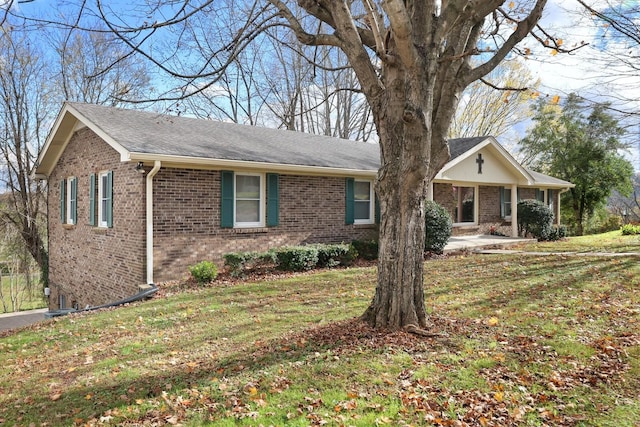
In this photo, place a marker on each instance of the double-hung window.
(363, 202)
(248, 200)
(465, 204)
(505, 202)
(105, 199)
(101, 199)
(360, 202)
(69, 200)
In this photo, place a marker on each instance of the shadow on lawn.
(91, 402)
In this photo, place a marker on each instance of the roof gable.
(497, 166)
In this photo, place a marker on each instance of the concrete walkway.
(21, 318)
(476, 242)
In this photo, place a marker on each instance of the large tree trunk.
(399, 297)
(403, 120)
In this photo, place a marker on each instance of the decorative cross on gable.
(479, 161)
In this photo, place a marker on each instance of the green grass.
(612, 241)
(541, 340)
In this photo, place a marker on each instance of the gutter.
(156, 167)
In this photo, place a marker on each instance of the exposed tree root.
(416, 330)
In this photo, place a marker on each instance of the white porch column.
(514, 210)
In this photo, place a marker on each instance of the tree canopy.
(582, 145)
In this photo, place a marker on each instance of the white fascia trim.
(206, 163)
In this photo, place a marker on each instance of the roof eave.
(217, 164)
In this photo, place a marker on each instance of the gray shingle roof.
(153, 133)
(543, 179)
(459, 146)
(146, 133)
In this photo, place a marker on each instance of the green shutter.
(74, 201)
(350, 201)
(109, 199)
(226, 199)
(501, 202)
(92, 199)
(63, 201)
(273, 200)
(377, 209)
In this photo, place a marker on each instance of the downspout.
(150, 175)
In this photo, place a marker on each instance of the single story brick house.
(135, 197)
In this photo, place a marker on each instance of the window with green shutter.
(63, 201)
(105, 199)
(73, 201)
(226, 199)
(360, 204)
(273, 199)
(92, 199)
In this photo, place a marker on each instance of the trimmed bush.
(238, 262)
(334, 255)
(204, 272)
(536, 219)
(366, 249)
(297, 258)
(630, 229)
(438, 227)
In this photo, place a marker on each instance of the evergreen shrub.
(297, 258)
(204, 272)
(438, 227)
(366, 249)
(536, 218)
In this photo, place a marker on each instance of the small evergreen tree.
(535, 218)
(438, 227)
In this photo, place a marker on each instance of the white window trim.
(261, 203)
(505, 201)
(69, 216)
(475, 206)
(371, 218)
(102, 217)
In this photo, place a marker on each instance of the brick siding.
(91, 265)
(187, 219)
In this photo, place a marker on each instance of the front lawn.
(612, 241)
(525, 340)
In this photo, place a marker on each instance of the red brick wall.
(92, 266)
(488, 208)
(187, 219)
(87, 264)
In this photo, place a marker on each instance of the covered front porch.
(482, 184)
